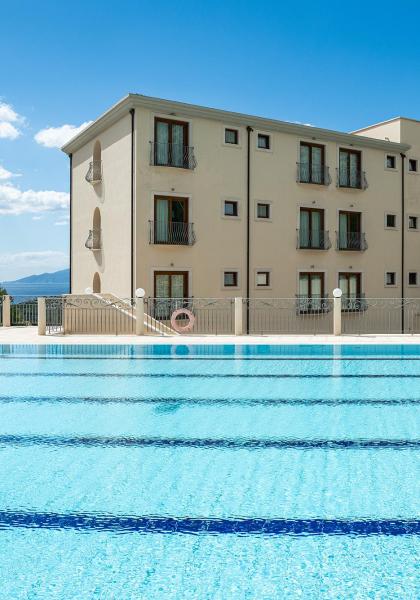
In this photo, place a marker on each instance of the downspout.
(132, 113)
(402, 239)
(248, 221)
(71, 223)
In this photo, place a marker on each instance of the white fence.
(107, 315)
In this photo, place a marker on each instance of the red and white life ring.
(182, 328)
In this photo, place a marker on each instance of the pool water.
(209, 472)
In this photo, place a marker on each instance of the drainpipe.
(132, 113)
(71, 223)
(248, 221)
(402, 239)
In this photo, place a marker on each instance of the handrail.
(171, 233)
(163, 154)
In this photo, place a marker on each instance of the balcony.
(353, 303)
(352, 179)
(312, 305)
(172, 155)
(318, 175)
(93, 241)
(171, 234)
(94, 174)
(313, 239)
(351, 241)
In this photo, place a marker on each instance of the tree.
(3, 291)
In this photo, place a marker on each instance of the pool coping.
(29, 335)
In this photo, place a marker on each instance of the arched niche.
(96, 284)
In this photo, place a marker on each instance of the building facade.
(183, 201)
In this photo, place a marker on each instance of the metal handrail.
(353, 180)
(94, 174)
(171, 233)
(353, 303)
(172, 155)
(309, 173)
(353, 240)
(314, 304)
(93, 241)
(313, 239)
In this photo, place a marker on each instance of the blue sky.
(332, 64)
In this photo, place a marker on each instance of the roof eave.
(179, 108)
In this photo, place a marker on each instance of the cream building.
(183, 200)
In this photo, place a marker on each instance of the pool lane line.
(209, 443)
(214, 375)
(193, 402)
(85, 522)
(405, 358)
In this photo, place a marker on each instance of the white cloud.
(5, 174)
(55, 137)
(65, 220)
(8, 116)
(14, 201)
(19, 264)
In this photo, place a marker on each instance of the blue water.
(209, 472)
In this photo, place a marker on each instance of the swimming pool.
(209, 472)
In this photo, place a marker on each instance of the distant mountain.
(45, 284)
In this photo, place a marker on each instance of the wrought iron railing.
(94, 174)
(385, 316)
(354, 240)
(172, 155)
(54, 309)
(1, 310)
(211, 316)
(353, 303)
(24, 313)
(347, 178)
(301, 315)
(313, 239)
(175, 234)
(317, 174)
(93, 241)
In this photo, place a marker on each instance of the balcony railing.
(314, 305)
(93, 241)
(94, 174)
(351, 241)
(351, 179)
(313, 239)
(317, 174)
(174, 234)
(353, 303)
(172, 155)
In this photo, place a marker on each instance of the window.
(311, 228)
(391, 161)
(311, 292)
(413, 165)
(390, 278)
(263, 141)
(230, 279)
(350, 236)
(413, 222)
(412, 278)
(350, 174)
(312, 163)
(170, 225)
(171, 140)
(230, 208)
(390, 221)
(231, 136)
(263, 210)
(263, 279)
(351, 285)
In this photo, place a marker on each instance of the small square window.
(390, 278)
(230, 208)
(391, 221)
(263, 279)
(413, 222)
(230, 279)
(391, 161)
(263, 141)
(263, 211)
(231, 136)
(413, 165)
(412, 278)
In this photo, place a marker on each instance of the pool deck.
(29, 335)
